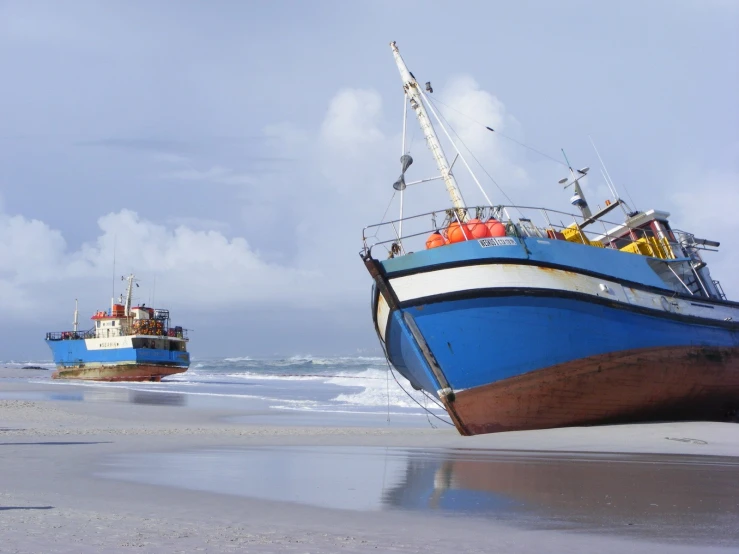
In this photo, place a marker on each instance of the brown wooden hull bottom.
(123, 372)
(655, 384)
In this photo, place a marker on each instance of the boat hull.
(118, 372)
(508, 340)
(118, 359)
(651, 384)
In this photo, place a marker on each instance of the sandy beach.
(92, 470)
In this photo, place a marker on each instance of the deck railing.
(124, 331)
(71, 335)
(519, 221)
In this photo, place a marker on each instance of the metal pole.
(410, 85)
(405, 120)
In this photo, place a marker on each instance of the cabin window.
(668, 230)
(623, 241)
(644, 231)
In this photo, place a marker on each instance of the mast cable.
(471, 153)
(390, 367)
(436, 100)
(443, 128)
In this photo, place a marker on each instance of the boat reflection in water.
(676, 496)
(691, 498)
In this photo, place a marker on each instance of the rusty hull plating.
(122, 372)
(656, 384)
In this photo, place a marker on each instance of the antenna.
(609, 181)
(607, 176)
(578, 199)
(112, 293)
(566, 160)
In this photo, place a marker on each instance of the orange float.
(435, 240)
(477, 229)
(455, 233)
(496, 228)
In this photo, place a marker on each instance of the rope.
(471, 153)
(387, 380)
(428, 412)
(425, 398)
(500, 134)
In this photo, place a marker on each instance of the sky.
(230, 153)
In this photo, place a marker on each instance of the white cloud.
(350, 125)
(28, 247)
(473, 110)
(348, 165)
(200, 268)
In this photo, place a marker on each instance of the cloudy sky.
(230, 153)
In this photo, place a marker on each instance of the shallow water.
(300, 390)
(675, 497)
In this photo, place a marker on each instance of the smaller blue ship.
(128, 343)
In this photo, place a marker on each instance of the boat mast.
(410, 85)
(76, 316)
(129, 294)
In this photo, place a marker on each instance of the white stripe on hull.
(109, 343)
(383, 313)
(512, 276)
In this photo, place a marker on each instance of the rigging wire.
(428, 412)
(387, 380)
(425, 398)
(388, 207)
(434, 400)
(471, 153)
(436, 100)
(377, 230)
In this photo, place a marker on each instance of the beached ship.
(127, 343)
(517, 322)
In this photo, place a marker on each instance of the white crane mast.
(410, 85)
(129, 294)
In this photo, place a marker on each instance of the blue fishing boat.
(127, 343)
(515, 320)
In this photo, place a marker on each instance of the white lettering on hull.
(108, 344)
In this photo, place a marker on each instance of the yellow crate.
(657, 250)
(667, 249)
(573, 234)
(638, 247)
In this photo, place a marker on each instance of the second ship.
(128, 343)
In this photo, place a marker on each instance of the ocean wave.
(14, 364)
(330, 410)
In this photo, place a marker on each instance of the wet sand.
(87, 470)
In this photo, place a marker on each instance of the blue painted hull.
(525, 355)
(75, 361)
(478, 341)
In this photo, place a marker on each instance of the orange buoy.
(477, 229)
(435, 240)
(455, 233)
(496, 228)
